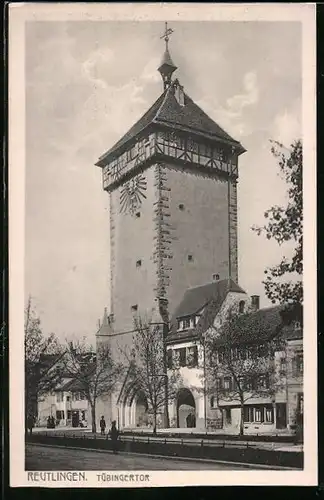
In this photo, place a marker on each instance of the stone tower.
(172, 185)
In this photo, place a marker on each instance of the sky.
(86, 84)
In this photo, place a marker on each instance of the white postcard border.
(18, 15)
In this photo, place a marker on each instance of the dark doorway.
(281, 416)
(186, 409)
(141, 412)
(75, 419)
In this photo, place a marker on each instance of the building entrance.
(186, 409)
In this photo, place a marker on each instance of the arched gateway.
(186, 409)
(135, 410)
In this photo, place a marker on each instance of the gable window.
(138, 263)
(190, 257)
(241, 306)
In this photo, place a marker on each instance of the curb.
(168, 457)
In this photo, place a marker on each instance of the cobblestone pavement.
(44, 458)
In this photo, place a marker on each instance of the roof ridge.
(210, 118)
(123, 139)
(208, 283)
(167, 92)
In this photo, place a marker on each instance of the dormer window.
(241, 306)
(180, 325)
(186, 323)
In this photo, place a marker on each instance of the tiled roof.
(211, 297)
(167, 111)
(271, 323)
(72, 385)
(196, 298)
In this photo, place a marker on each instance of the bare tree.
(96, 372)
(43, 358)
(241, 359)
(147, 368)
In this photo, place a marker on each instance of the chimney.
(255, 302)
(179, 93)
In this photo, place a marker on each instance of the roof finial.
(167, 32)
(167, 67)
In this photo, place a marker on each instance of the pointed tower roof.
(105, 327)
(166, 111)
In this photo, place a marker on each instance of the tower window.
(138, 214)
(215, 277)
(134, 308)
(181, 206)
(190, 258)
(138, 263)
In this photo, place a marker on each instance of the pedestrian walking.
(114, 433)
(102, 426)
(31, 423)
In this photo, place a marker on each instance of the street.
(45, 458)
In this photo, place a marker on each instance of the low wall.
(278, 438)
(203, 451)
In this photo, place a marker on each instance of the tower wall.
(197, 211)
(132, 239)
